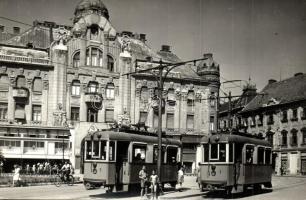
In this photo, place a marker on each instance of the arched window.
(21, 81)
(110, 63)
(76, 59)
(94, 57)
(294, 137)
(110, 91)
(92, 87)
(75, 88)
(284, 138)
(94, 32)
(4, 82)
(37, 85)
(144, 94)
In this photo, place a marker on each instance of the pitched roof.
(290, 90)
(39, 37)
(141, 50)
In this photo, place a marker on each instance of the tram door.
(122, 157)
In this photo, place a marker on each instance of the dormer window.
(94, 32)
(76, 59)
(110, 63)
(94, 57)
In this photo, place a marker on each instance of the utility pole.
(163, 70)
(230, 111)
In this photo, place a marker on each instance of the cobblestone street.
(283, 188)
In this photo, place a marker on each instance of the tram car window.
(103, 150)
(155, 153)
(231, 152)
(172, 155)
(217, 152)
(112, 150)
(139, 153)
(260, 155)
(249, 154)
(268, 156)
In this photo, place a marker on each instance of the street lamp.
(163, 70)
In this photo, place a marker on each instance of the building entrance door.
(293, 163)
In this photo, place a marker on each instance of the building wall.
(289, 155)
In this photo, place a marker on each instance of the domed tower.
(209, 70)
(86, 7)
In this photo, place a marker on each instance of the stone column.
(83, 106)
(44, 103)
(11, 101)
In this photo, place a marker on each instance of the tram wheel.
(87, 186)
(257, 187)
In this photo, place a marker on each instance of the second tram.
(234, 162)
(114, 158)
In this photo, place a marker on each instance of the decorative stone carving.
(3, 69)
(177, 93)
(59, 116)
(37, 73)
(20, 71)
(198, 95)
(45, 84)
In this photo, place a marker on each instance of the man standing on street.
(143, 181)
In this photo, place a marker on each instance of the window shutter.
(4, 83)
(109, 115)
(37, 86)
(170, 120)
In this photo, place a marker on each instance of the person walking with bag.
(180, 178)
(16, 176)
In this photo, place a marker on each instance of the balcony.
(24, 59)
(93, 98)
(20, 93)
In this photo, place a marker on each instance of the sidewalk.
(6, 180)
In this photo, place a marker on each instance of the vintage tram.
(114, 159)
(233, 162)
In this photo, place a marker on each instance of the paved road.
(283, 188)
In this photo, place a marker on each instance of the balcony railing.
(24, 59)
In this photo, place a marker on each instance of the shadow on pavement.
(120, 195)
(222, 194)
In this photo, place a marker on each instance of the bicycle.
(63, 178)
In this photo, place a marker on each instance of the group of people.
(42, 168)
(153, 182)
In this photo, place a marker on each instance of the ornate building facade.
(80, 71)
(278, 113)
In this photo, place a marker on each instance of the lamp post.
(163, 70)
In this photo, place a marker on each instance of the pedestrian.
(16, 176)
(199, 175)
(27, 169)
(1, 167)
(143, 181)
(66, 169)
(180, 178)
(34, 169)
(154, 182)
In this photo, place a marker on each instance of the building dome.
(208, 69)
(86, 7)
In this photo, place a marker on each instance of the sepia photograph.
(153, 99)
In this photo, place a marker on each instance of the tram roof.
(123, 136)
(234, 139)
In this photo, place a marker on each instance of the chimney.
(142, 37)
(165, 48)
(16, 30)
(1, 28)
(271, 81)
(208, 55)
(298, 74)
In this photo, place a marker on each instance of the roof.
(39, 37)
(141, 51)
(248, 94)
(219, 138)
(286, 91)
(123, 136)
